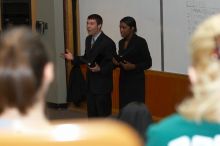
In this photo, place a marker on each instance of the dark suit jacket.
(101, 53)
(132, 83)
(76, 92)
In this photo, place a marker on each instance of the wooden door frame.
(68, 30)
(33, 14)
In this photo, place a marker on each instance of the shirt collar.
(97, 35)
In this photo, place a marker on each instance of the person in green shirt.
(198, 118)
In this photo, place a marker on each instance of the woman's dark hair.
(22, 61)
(130, 21)
(96, 17)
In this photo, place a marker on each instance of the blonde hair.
(205, 103)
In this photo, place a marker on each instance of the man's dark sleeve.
(106, 64)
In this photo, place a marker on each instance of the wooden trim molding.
(1, 15)
(33, 14)
(78, 26)
(69, 25)
(68, 32)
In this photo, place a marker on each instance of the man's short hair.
(96, 17)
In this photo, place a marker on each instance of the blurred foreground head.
(204, 73)
(137, 115)
(25, 69)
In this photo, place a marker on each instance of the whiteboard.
(180, 18)
(146, 13)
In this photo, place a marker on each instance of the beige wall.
(51, 11)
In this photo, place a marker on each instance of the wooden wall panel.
(115, 92)
(164, 91)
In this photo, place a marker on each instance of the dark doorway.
(15, 12)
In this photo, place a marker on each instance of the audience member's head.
(136, 115)
(198, 117)
(25, 70)
(204, 73)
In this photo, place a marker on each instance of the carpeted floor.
(71, 112)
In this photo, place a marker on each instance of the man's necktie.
(92, 42)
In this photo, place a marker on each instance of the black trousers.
(99, 105)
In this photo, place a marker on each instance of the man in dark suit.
(99, 50)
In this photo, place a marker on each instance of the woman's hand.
(127, 65)
(96, 68)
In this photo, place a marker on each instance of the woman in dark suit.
(134, 58)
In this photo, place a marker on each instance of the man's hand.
(67, 55)
(115, 61)
(96, 68)
(127, 65)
